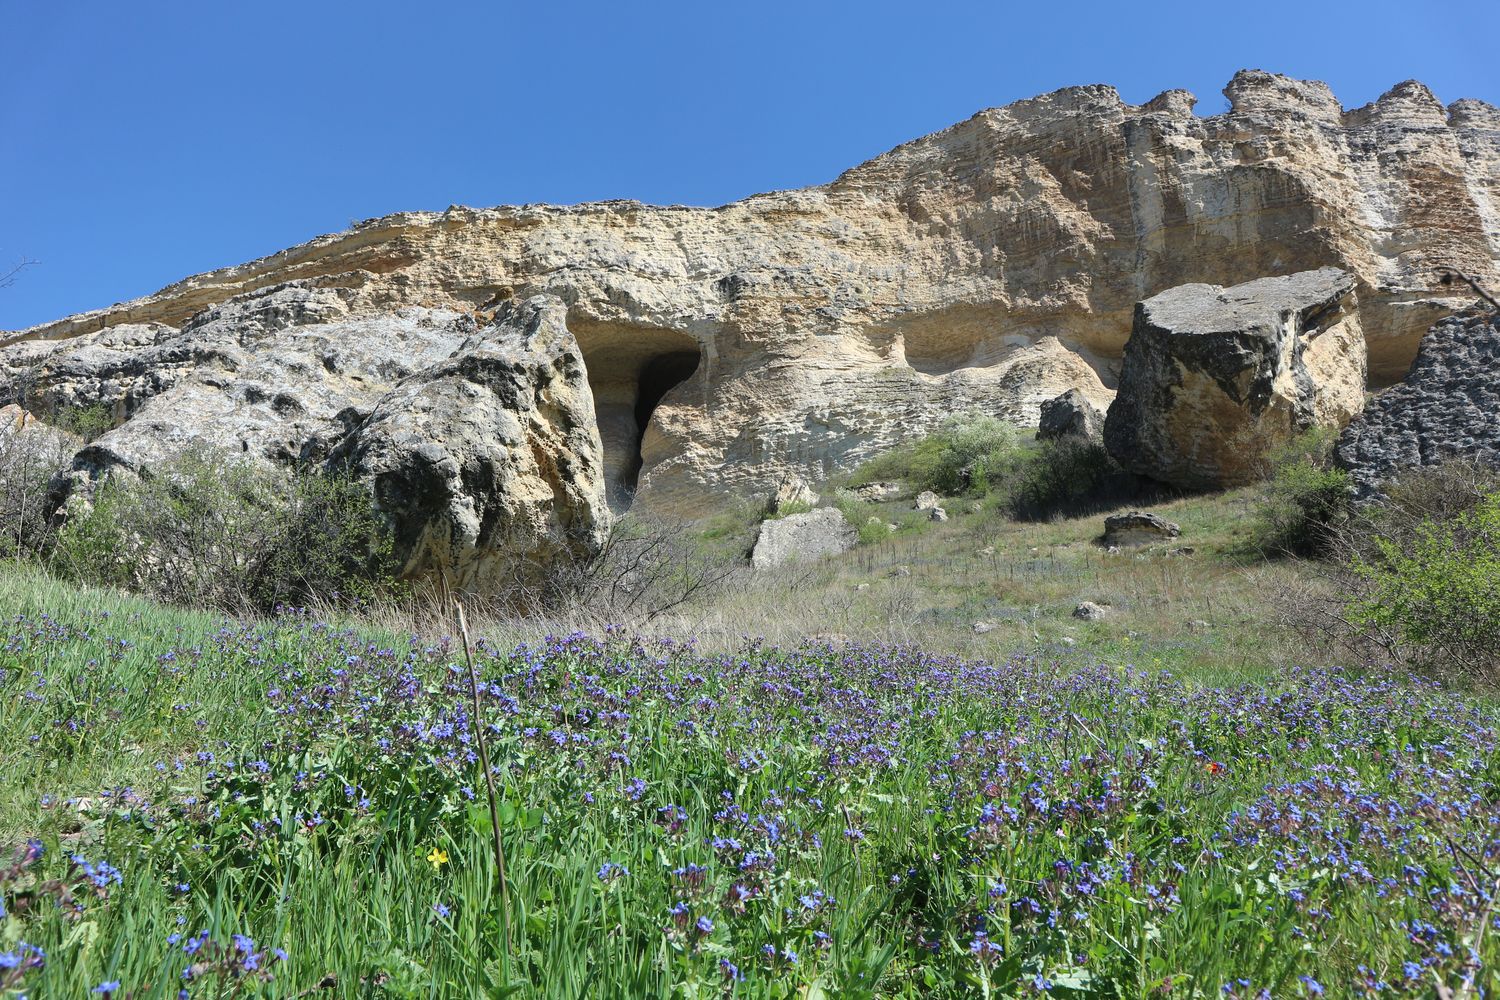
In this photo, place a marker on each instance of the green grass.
(1171, 836)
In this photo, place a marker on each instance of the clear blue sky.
(150, 139)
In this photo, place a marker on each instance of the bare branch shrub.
(649, 566)
(31, 453)
(9, 275)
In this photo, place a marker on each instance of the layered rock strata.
(986, 268)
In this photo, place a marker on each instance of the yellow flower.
(437, 857)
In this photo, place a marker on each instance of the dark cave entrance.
(660, 376)
(631, 372)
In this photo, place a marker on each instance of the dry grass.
(1218, 613)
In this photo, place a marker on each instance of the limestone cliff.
(990, 266)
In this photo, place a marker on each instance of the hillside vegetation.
(905, 771)
(286, 808)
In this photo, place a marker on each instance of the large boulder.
(489, 463)
(1138, 527)
(1215, 378)
(480, 445)
(1447, 408)
(1070, 415)
(801, 537)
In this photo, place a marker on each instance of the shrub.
(965, 455)
(1067, 476)
(30, 455)
(94, 545)
(986, 457)
(787, 510)
(1435, 593)
(88, 422)
(331, 545)
(206, 529)
(648, 566)
(1305, 499)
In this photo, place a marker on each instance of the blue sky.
(148, 140)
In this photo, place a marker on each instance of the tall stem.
(489, 777)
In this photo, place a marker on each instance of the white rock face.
(480, 444)
(987, 268)
(802, 537)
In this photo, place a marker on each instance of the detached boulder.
(1070, 415)
(488, 464)
(800, 537)
(790, 492)
(1090, 612)
(1138, 527)
(1214, 379)
(878, 492)
(1448, 407)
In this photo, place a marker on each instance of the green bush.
(331, 545)
(787, 510)
(1305, 501)
(93, 545)
(1435, 594)
(1067, 476)
(966, 455)
(88, 422)
(987, 458)
(206, 529)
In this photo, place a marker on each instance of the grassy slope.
(134, 694)
(930, 583)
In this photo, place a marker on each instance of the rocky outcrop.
(1214, 379)
(1448, 408)
(1070, 415)
(479, 444)
(790, 495)
(488, 464)
(802, 537)
(989, 267)
(26, 438)
(1138, 527)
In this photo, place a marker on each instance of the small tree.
(1436, 593)
(31, 453)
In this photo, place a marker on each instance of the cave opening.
(660, 376)
(631, 371)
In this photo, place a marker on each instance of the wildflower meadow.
(201, 808)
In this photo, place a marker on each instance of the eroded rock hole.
(631, 370)
(661, 374)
